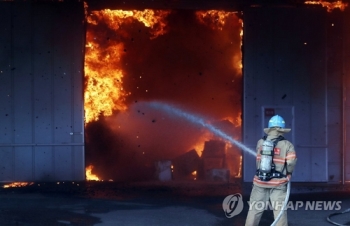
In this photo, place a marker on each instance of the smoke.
(155, 134)
(125, 146)
(191, 66)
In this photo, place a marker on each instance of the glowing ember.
(17, 184)
(194, 173)
(103, 72)
(329, 5)
(90, 175)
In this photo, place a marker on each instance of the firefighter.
(275, 163)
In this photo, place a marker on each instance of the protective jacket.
(284, 158)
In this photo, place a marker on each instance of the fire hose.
(328, 218)
(284, 206)
(334, 214)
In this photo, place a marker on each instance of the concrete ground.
(186, 203)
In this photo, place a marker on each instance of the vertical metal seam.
(52, 77)
(274, 59)
(326, 98)
(12, 94)
(72, 109)
(344, 100)
(32, 90)
(242, 100)
(310, 107)
(82, 92)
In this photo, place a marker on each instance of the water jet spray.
(198, 120)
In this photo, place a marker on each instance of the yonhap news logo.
(296, 205)
(232, 205)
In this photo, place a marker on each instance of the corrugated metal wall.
(285, 69)
(346, 81)
(335, 101)
(41, 91)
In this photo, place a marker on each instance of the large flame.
(104, 91)
(109, 81)
(154, 19)
(329, 5)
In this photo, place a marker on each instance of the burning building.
(191, 59)
(118, 91)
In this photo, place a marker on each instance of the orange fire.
(239, 56)
(194, 174)
(17, 184)
(329, 5)
(154, 19)
(90, 175)
(240, 167)
(104, 91)
(217, 19)
(237, 122)
(199, 145)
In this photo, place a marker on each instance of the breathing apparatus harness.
(267, 169)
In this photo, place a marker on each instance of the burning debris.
(214, 161)
(329, 5)
(18, 184)
(185, 165)
(164, 170)
(212, 165)
(133, 57)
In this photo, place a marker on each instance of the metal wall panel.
(23, 164)
(43, 73)
(335, 95)
(78, 158)
(5, 75)
(43, 163)
(63, 163)
(22, 74)
(285, 67)
(41, 91)
(346, 80)
(6, 169)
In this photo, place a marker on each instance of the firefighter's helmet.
(277, 121)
